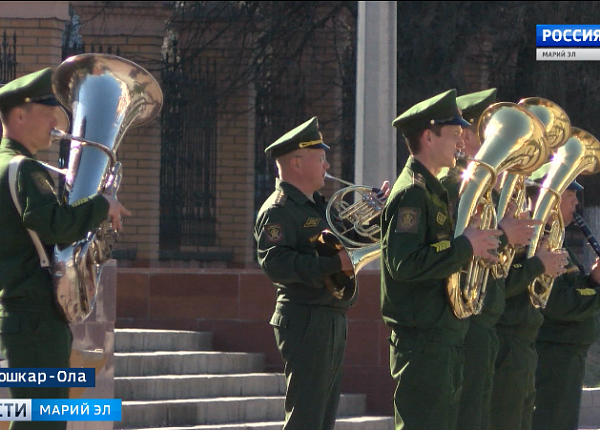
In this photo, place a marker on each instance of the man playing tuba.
(419, 253)
(481, 341)
(570, 327)
(32, 332)
(513, 389)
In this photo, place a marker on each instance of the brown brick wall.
(137, 29)
(39, 43)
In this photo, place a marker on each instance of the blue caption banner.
(555, 36)
(47, 377)
(60, 409)
(76, 409)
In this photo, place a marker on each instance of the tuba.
(107, 94)
(579, 155)
(353, 208)
(512, 136)
(558, 126)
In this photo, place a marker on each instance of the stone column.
(376, 93)
(375, 159)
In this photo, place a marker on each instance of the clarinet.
(587, 233)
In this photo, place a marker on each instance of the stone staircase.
(173, 380)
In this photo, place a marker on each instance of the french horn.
(579, 155)
(351, 212)
(107, 95)
(512, 137)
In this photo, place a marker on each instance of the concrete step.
(186, 362)
(172, 380)
(589, 414)
(196, 386)
(349, 423)
(222, 410)
(137, 340)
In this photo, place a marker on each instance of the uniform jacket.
(419, 253)
(520, 316)
(24, 285)
(287, 227)
(571, 313)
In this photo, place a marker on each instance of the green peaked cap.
(440, 109)
(306, 135)
(473, 104)
(540, 174)
(35, 87)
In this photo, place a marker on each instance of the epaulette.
(280, 198)
(419, 180)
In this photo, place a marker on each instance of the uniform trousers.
(428, 373)
(513, 391)
(481, 349)
(312, 344)
(558, 381)
(36, 340)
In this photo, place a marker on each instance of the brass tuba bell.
(558, 126)
(511, 136)
(579, 155)
(107, 94)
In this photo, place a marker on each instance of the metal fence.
(188, 155)
(8, 58)
(280, 106)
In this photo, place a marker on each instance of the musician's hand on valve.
(384, 191)
(115, 212)
(484, 242)
(518, 230)
(554, 261)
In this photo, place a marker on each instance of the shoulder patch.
(273, 233)
(419, 180)
(41, 182)
(408, 220)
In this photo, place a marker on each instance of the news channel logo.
(60, 409)
(567, 42)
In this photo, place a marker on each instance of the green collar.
(8, 143)
(292, 192)
(431, 181)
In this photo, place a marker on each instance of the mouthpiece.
(57, 134)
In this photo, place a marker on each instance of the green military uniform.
(481, 341)
(570, 327)
(419, 253)
(309, 322)
(513, 389)
(32, 333)
(513, 392)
